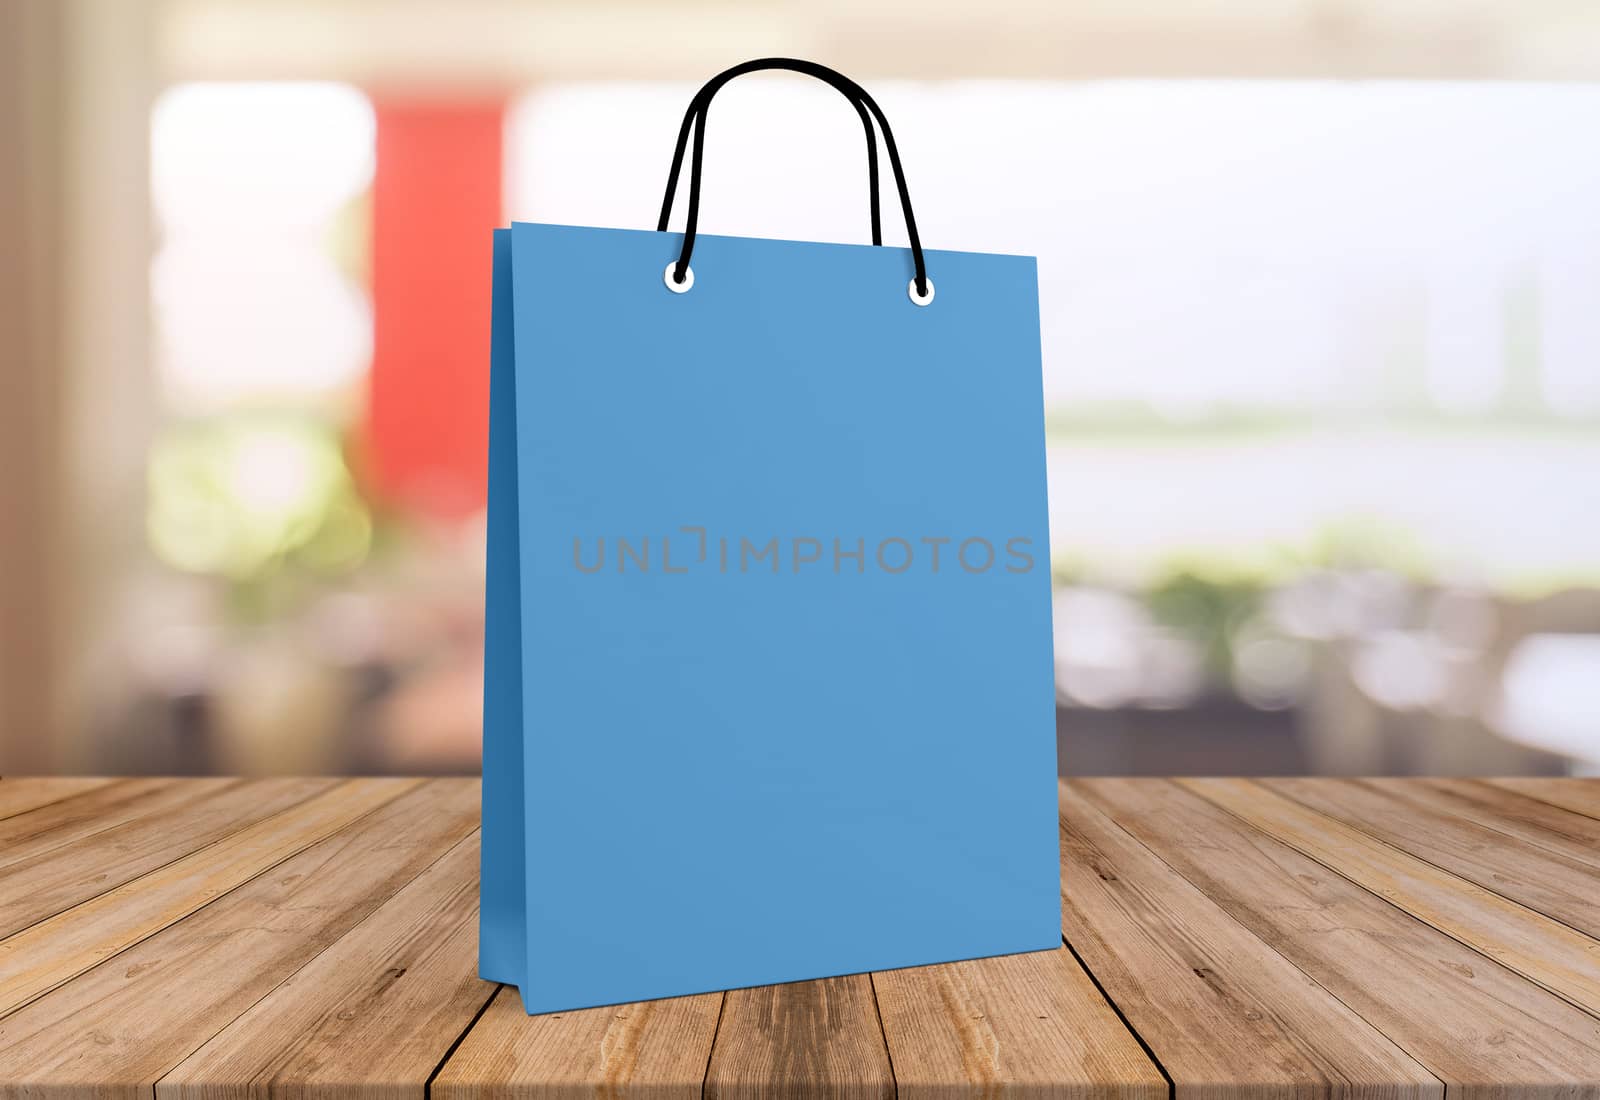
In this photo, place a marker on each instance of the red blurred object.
(435, 198)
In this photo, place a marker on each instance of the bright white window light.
(252, 156)
(250, 182)
(1550, 695)
(1303, 305)
(1277, 244)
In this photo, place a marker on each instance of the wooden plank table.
(1384, 939)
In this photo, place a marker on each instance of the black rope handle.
(696, 111)
(700, 109)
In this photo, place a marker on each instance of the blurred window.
(263, 325)
(1550, 696)
(258, 278)
(1274, 313)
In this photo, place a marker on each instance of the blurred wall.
(76, 78)
(29, 306)
(515, 42)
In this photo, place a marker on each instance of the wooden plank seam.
(455, 1044)
(716, 1032)
(1270, 1024)
(1144, 1045)
(883, 1033)
(1471, 868)
(1578, 985)
(1223, 878)
(1368, 952)
(16, 992)
(1129, 1023)
(353, 935)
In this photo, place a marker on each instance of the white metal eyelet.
(911, 289)
(675, 286)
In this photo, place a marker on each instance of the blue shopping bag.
(769, 680)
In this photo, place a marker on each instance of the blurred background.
(1320, 289)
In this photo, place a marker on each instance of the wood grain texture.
(18, 796)
(1224, 1014)
(820, 1039)
(1581, 796)
(27, 835)
(371, 1016)
(1487, 1032)
(1260, 948)
(1572, 835)
(45, 954)
(1544, 950)
(657, 1050)
(1018, 1027)
(1547, 882)
(114, 1031)
(51, 881)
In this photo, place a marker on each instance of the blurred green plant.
(253, 498)
(1206, 611)
(1365, 544)
(1218, 603)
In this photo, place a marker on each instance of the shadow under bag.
(769, 689)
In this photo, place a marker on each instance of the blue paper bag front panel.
(780, 687)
